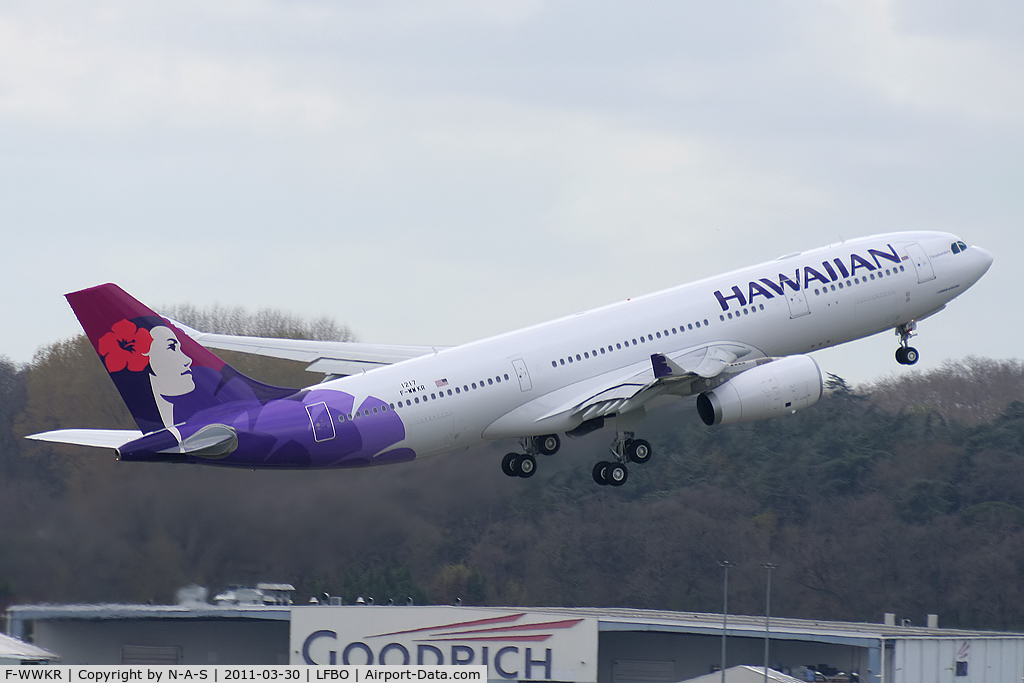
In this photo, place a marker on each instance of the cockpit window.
(958, 247)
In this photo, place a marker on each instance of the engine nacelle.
(770, 390)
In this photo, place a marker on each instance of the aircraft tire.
(526, 465)
(907, 355)
(639, 451)
(616, 474)
(508, 465)
(547, 445)
(599, 473)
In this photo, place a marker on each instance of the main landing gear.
(625, 449)
(906, 354)
(525, 464)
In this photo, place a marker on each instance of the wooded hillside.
(906, 496)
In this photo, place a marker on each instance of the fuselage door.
(320, 418)
(524, 377)
(797, 303)
(922, 264)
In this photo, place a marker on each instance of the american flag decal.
(441, 382)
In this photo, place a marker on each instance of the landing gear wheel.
(508, 465)
(906, 355)
(526, 465)
(616, 474)
(547, 445)
(600, 469)
(638, 451)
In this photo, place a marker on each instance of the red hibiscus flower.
(126, 346)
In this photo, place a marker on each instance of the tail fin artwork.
(191, 406)
(163, 376)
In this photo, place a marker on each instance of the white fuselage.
(514, 384)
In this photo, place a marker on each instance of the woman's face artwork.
(171, 368)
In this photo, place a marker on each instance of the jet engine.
(777, 388)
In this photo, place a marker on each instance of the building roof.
(843, 632)
(609, 619)
(19, 650)
(122, 611)
(744, 674)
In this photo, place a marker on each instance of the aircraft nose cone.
(984, 259)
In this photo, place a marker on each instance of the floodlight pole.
(767, 614)
(725, 564)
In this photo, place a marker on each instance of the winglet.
(661, 366)
(666, 367)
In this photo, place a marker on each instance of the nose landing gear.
(906, 354)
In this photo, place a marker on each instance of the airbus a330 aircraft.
(737, 341)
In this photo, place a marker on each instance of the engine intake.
(783, 386)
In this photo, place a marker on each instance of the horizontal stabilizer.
(98, 438)
(328, 357)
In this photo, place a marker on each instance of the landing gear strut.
(525, 464)
(625, 449)
(906, 354)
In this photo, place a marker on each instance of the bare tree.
(970, 391)
(265, 322)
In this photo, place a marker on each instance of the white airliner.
(738, 342)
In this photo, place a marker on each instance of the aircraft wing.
(633, 387)
(329, 357)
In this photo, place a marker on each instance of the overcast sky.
(437, 172)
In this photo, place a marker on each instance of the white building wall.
(692, 655)
(88, 641)
(959, 660)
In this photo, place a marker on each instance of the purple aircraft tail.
(163, 375)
